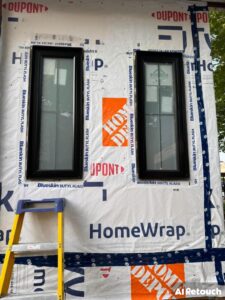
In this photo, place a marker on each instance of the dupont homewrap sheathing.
(125, 237)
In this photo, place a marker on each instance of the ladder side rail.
(60, 291)
(9, 259)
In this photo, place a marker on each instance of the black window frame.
(38, 55)
(176, 58)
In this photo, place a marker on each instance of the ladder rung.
(35, 296)
(35, 247)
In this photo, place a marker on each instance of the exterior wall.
(110, 32)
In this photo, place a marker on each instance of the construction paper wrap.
(125, 238)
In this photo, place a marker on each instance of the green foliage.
(217, 27)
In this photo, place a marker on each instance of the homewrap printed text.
(142, 230)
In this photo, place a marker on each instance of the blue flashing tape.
(73, 259)
(219, 272)
(12, 19)
(198, 8)
(165, 37)
(104, 195)
(202, 121)
(162, 27)
(93, 184)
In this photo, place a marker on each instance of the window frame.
(182, 172)
(34, 125)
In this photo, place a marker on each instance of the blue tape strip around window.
(202, 121)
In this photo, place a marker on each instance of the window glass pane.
(166, 74)
(57, 115)
(152, 99)
(161, 148)
(167, 99)
(167, 105)
(167, 88)
(151, 74)
(169, 144)
(152, 124)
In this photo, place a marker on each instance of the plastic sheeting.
(104, 259)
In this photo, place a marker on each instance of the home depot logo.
(114, 119)
(106, 169)
(25, 7)
(157, 282)
(179, 16)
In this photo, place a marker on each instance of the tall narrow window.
(56, 114)
(162, 134)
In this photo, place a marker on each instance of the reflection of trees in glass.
(217, 27)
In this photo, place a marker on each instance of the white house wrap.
(125, 237)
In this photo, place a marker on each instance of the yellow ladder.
(37, 206)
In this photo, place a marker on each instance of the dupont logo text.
(179, 16)
(106, 169)
(157, 282)
(114, 119)
(25, 7)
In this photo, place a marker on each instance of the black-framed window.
(161, 120)
(55, 142)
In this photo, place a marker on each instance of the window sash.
(161, 120)
(55, 143)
